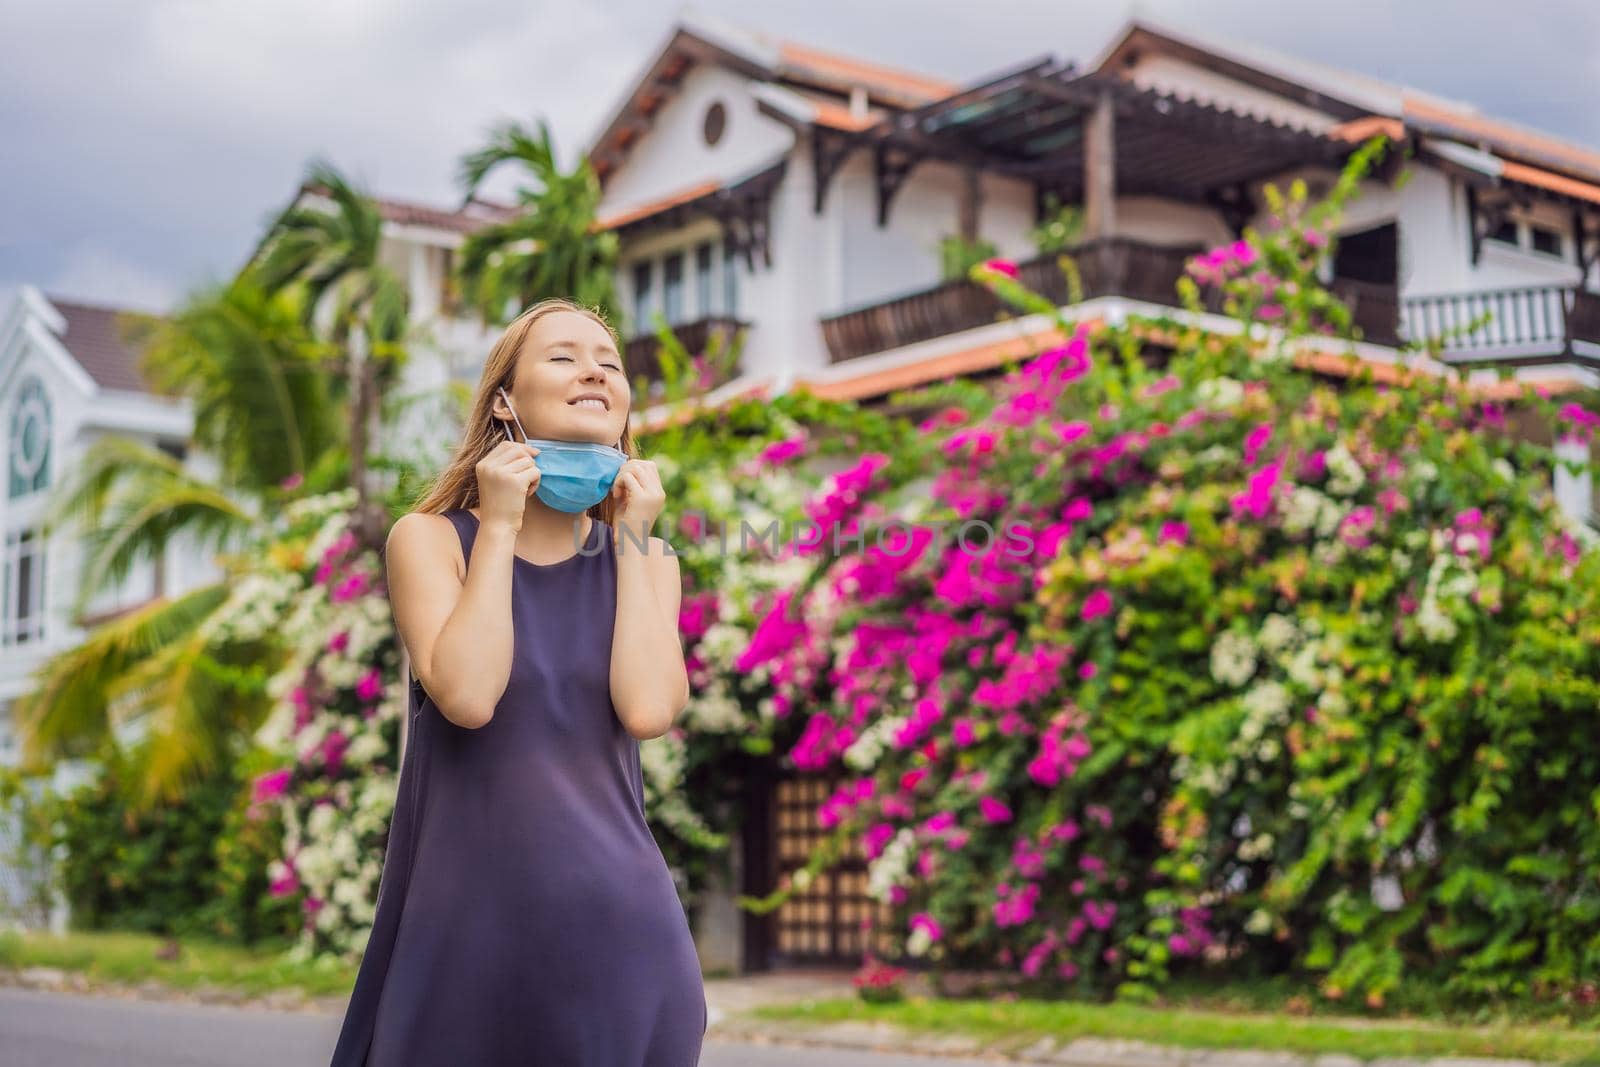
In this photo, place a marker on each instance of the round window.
(716, 121)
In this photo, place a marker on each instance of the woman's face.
(566, 363)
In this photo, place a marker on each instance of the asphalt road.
(39, 1029)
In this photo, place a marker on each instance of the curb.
(56, 980)
(1079, 1052)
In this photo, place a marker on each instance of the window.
(702, 279)
(1505, 232)
(1545, 240)
(24, 589)
(642, 296)
(716, 121)
(672, 289)
(30, 440)
(730, 283)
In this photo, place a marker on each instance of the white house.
(68, 379)
(800, 196)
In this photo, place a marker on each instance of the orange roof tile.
(988, 356)
(682, 196)
(950, 365)
(685, 413)
(1369, 126)
(1504, 136)
(838, 117)
(843, 69)
(1521, 172)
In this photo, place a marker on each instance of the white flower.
(1219, 393)
(1233, 658)
(864, 751)
(1344, 470)
(890, 868)
(1277, 632)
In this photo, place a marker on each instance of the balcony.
(1539, 324)
(642, 354)
(1107, 267)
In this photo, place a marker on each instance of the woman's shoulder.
(426, 535)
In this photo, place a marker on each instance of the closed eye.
(614, 366)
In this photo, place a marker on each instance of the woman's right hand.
(507, 476)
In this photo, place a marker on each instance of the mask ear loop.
(501, 390)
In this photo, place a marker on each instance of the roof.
(686, 195)
(473, 216)
(96, 337)
(1350, 96)
(698, 38)
(1030, 123)
(1019, 347)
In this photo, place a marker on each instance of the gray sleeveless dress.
(525, 914)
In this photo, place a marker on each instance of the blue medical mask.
(573, 475)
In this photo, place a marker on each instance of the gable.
(674, 155)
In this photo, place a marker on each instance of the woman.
(525, 914)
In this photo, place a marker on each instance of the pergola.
(1086, 137)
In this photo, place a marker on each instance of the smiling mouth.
(598, 405)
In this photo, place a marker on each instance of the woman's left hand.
(638, 487)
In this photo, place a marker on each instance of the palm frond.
(67, 712)
(127, 502)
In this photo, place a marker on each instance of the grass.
(1013, 1025)
(131, 958)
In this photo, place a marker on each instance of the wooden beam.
(1100, 171)
(892, 163)
(829, 150)
(971, 200)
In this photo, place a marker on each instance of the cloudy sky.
(148, 141)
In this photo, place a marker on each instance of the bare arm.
(457, 630)
(456, 620)
(649, 682)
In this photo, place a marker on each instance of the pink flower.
(1257, 499)
(1098, 603)
(292, 482)
(1173, 531)
(923, 921)
(271, 785)
(1001, 266)
(994, 810)
(370, 687)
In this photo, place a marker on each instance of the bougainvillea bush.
(737, 477)
(1214, 663)
(335, 727)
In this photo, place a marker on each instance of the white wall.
(673, 154)
(1169, 222)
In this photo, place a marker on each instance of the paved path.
(39, 1029)
(56, 1027)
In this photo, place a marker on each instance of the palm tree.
(351, 300)
(551, 247)
(263, 407)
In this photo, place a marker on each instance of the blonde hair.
(457, 485)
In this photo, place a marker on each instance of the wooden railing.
(1109, 267)
(1374, 309)
(642, 354)
(1533, 321)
